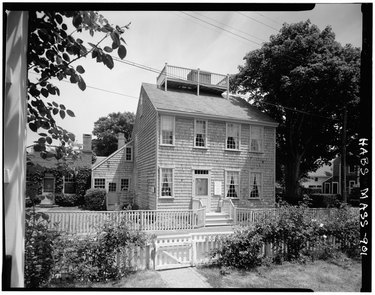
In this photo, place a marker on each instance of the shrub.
(39, 242)
(94, 258)
(95, 199)
(240, 250)
(66, 200)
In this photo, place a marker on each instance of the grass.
(340, 275)
(139, 279)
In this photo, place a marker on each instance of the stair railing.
(230, 209)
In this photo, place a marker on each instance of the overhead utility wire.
(274, 21)
(245, 15)
(221, 28)
(250, 35)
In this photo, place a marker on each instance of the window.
(128, 153)
(48, 183)
(167, 130)
(232, 184)
(112, 186)
(200, 136)
(166, 185)
(335, 188)
(201, 181)
(327, 187)
(316, 179)
(351, 185)
(255, 185)
(69, 184)
(233, 136)
(256, 138)
(99, 183)
(125, 184)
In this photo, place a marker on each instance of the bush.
(66, 200)
(94, 258)
(95, 199)
(39, 242)
(240, 250)
(325, 201)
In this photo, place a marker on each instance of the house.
(333, 184)
(314, 180)
(115, 173)
(190, 142)
(52, 176)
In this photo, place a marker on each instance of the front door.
(112, 196)
(201, 188)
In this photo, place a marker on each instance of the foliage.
(53, 51)
(304, 79)
(66, 200)
(106, 130)
(325, 201)
(94, 258)
(240, 250)
(83, 183)
(39, 243)
(95, 199)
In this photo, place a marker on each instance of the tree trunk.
(291, 179)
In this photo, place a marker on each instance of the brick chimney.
(121, 140)
(87, 142)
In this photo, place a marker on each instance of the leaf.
(80, 69)
(82, 84)
(44, 92)
(77, 20)
(121, 51)
(33, 127)
(59, 18)
(62, 114)
(66, 57)
(49, 140)
(64, 27)
(55, 111)
(109, 61)
(72, 136)
(108, 49)
(41, 140)
(62, 107)
(115, 37)
(70, 113)
(42, 134)
(55, 104)
(115, 45)
(73, 79)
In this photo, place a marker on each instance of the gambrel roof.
(210, 106)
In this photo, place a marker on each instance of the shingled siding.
(184, 158)
(115, 168)
(145, 153)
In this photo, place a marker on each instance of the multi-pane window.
(255, 185)
(256, 138)
(201, 178)
(335, 188)
(128, 153)
(125, 184)
(112, 186)
(99, 183)
(233, 136)
(232, 184)
(69, 184)
(167, 130)
(48, 183)
(166, 184)
(200, 136)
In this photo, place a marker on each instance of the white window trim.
(261, 183)
(335, 182)
(327, 184)
(64, 181)
(111, 182)
(161, 131)
(98, 178)
(205, 176)
(131, 148)
(226, 184)
(129, 180)
(226, 137)
(54, 184)
(195, 133)
(161, 182)
(262, 142)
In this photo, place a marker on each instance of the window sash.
(112, 187)
(99, 183)
(233, 136)
(166, 182)
(232, 184)
(48, 184)
(167, 130)
(256, 185)
(200, 133)
(128, 153)
(125, 182)
(69, 184)
(256, 138)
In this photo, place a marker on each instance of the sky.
(214, 41)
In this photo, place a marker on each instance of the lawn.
(340, 275)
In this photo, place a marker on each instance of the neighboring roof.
(182, 102)
(325, 170)
(97, 164)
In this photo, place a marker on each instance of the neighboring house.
(50, 183)
(333, 184)
(115, 174)
(190, 142)
(314, 180)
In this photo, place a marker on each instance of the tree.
(107, 128)
(52, 53)
(303, 79)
